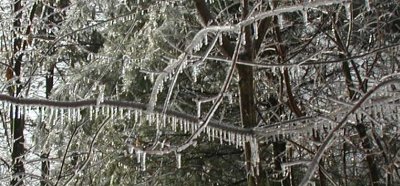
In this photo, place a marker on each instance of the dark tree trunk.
(16, 117)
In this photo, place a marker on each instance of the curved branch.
(121, 105)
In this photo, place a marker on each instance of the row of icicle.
(71, 111)
(137, 112)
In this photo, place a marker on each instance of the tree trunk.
(16, 117)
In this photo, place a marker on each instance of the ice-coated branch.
(125, 105)
(219, 99)
(250, 20)
(332, 134)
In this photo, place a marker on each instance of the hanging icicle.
(195, 73)
(178, 160)
(129, 114)
(220, 40)
(208, 132)
(143, 161)
(121, 113)
(90, 113)
(347, 7)
(221, 138)
(56, 111)
(62, 116)
(280, 21)
(112, 109)
(229, 138)
(255, 29)
(42, 114)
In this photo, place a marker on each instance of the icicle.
(347, 7)
(112, 112)
(103, 111)
(195, 73)
(173, 123)
(220, 41)
(151, 77)
(208, 132)
(280, 21)
(165, 120)
(90, 113)
(129, 114)
(138, 155)
(283, 69)
(90, 56)
(55, 116)
(144, 161)
(96, 112)
(221, 136)
(229, 138)
(183, 126)
(255, 29)
(136, 116)
(139, 117)
(42, 114)
(62, 116)
(198, 104)
(224, 135)
(178, 160)
(212, 134)
(74, 115)
(206, 40)
(27, 111)
(180, 124)
(239, 140)
(19, 112)
(230, 98)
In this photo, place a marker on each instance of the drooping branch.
(29, 102)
